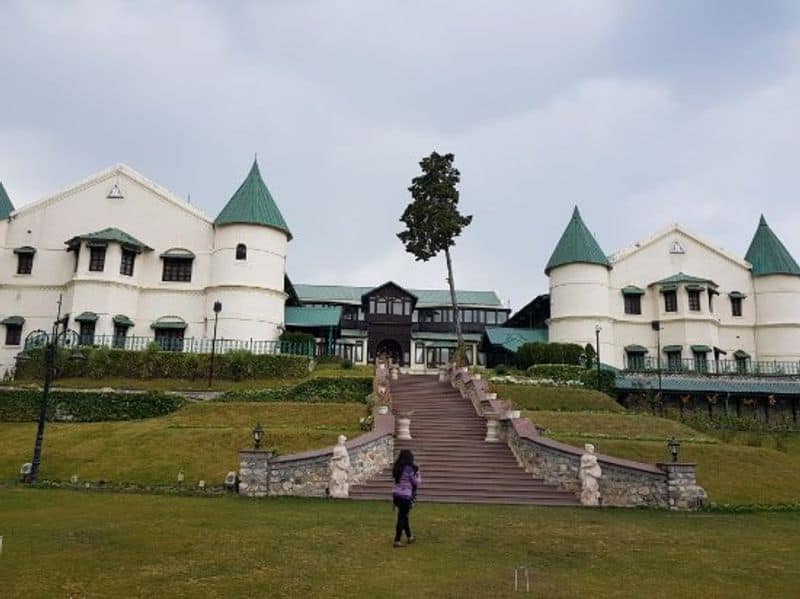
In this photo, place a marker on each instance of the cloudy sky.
(642, 113)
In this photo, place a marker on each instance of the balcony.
(712, 367)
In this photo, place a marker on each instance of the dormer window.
(25, 260)
(241, 252)
(97, 258)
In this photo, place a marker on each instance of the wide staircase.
(457, 465)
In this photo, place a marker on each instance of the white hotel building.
(677, 293)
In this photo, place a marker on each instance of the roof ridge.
(576, 245)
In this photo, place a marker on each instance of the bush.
(608, 380)
(501, 370)
(529, 354)
(22, 405)
(346, 364)
(319, 390)
(557, 372)
(102, 362)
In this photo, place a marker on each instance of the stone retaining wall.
(623, 483)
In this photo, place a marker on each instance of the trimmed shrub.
(529, 354)
(22, 405)
(557, 372)
(319, 390)
(102, 362)
(501, 369)
(346, 364)
(608, 380)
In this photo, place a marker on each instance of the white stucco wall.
(251, 290)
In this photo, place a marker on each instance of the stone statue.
(339, 487)
(590, 474)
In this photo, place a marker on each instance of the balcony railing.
(713, 367)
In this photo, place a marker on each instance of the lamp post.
(674, 447)
(217, 310)
(258, 435)
(49, 373)
(597, 329)
(657, 328)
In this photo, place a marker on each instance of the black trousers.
(403, 507)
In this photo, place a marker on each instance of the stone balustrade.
(624, 483)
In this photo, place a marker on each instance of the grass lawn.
(627, 426)
(202, 439)
(72, 543)
(322, 370)
(531, 397)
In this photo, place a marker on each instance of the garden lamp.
(674, 446)
(258, 435)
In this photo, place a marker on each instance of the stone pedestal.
(443, 375)
(492, 429)
(683, 492)
(403, 428)
(395, 372)
(254, 472)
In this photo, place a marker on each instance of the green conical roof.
(6, 207)
(577, 245)
(253, 204)
(768, 255)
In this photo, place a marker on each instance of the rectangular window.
(736, 306)
(24, 264)
(694, 300)
(170, 339)
(491, 317)
(636, 360)
(633, 304)
(120, 333)
(467, 315)
(380, 306)
(87, 333)
(97, 259)
(700, 361)
(419, 354)
(177, 269)
(415, 316)
(437, 316)
(126, 265)
(502, 317)
(670, 301)
(741, 365)
(674, 361)
(13, 334)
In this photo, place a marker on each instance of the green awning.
(668, 288)
(106, 236)
(635, 349)
(178, 253)
(13, 320)
(86, 317)
(701, 349)
(122, 320)
(694, 287)
(669, 349)
(632, 290)
(435, 344)
(25, 249)
(169, 324)
(736, 295)
(312, 316)
(741, 354)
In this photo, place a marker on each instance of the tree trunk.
(452, 284)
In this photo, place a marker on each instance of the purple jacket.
(408, 481)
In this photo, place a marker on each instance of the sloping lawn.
(202, 439)
(638, 426)
(531, 397)
(72, 543)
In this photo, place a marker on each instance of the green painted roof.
(253, 204)
(577, 245)
(636, 349)
(512, 339)
(13, 320)
(450, 337)
(683, 278)
(632, 290)
(312, 317)
(708, 384)
(6, 207)
(123, 320)
(86, 317)
(110, 235)
(426, 298)
(701, 349)
(768, 255)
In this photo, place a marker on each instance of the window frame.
(241, 252)
(25, 263)
(120, 334)
(13, 335)
(736, 307)
(87, 332)
(695, 303)
(674, 361)
(97, 258)
(128, 259)
(633, 304)
(173, 265)
(670, 300)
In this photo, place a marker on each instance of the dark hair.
(405, 458)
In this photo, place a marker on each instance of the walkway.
(457, 465)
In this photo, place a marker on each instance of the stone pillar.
(254, 472)
(683, 492)
(443, 376)
(492, 428)
(395, 372)
(403, 427)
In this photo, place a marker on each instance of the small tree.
(433, 221)
(589, 355)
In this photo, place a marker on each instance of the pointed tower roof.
(577, 245)
(6, 207)
(768, 255)
(253, 204)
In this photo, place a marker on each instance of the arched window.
(241, 252)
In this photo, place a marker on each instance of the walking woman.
(406, 480)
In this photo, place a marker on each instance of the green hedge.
(102, 362)
(529, 354)
(22, 405)
(567, 372)
(322, 389)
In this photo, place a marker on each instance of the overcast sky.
(641, 113)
